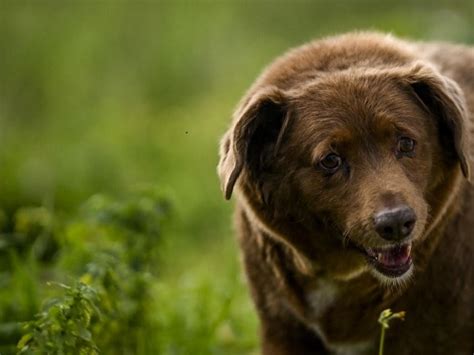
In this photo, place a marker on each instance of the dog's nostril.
(409, 225)
(395, 224)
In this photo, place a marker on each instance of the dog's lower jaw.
(395, 283)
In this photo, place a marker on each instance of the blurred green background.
(99, 97)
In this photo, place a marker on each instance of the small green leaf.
(24, 340)
(85, 334)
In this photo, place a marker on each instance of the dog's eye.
(331, 162)
(406, 145)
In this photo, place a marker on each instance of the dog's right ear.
(254, 137)
(443, 98)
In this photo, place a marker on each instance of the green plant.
(384, 319)
(64, 327)
(109, 249)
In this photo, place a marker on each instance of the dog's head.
(350, 165)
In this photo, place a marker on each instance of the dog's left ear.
(254, 136)
(444, 99)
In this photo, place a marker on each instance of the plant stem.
(382, 340)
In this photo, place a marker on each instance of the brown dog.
(350, 161)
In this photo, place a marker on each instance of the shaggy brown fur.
(331, 135)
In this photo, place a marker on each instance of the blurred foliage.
(108, 296)
(115, 241)
(64, 327)
(98, 96)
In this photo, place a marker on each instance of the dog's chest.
(321, 300)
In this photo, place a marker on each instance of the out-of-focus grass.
(96, 96)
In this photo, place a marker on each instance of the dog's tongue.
(395, 256)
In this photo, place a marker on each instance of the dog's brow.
(332, 139)
(402, 123)
(407, 129)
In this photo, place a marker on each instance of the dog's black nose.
(396, 223)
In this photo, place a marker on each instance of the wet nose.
(396, 223)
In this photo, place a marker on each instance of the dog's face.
(364, 152)
(350, 160)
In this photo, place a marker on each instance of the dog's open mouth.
(392, 261)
